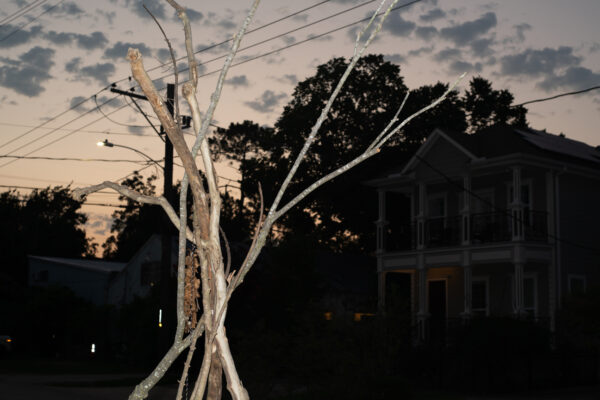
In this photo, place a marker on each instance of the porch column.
(380, 289)
(518, 295)
(466, 211)
(518, 304)
(420, 217)
(552, 275)
(516, 206)
(422, 315)
(467, 273)
(381, 223)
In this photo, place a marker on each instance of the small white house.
(141, 273)
(88, 279)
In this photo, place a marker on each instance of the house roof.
(93, 265)
(502, 140)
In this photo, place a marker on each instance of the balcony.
(484, 228)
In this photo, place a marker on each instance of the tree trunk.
(215, 377)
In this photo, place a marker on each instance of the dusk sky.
(75, 49)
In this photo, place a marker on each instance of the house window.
(480, 305)
(577, 284)
(436, 222)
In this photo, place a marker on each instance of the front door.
(437, 310)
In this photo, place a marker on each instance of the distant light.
(160, 317)
(8, 340)
(328, 315)
(93, 350)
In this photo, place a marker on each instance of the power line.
(290, 45)
(558, 95)
(259, 56)
(112, 120)
(73, 159)
(254, 30)
(21, 11)
(151, 69)
(51, 119)
(229, 40)
(35, 19)
(81, 130)
(60, 138)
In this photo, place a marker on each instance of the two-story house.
(502, 222)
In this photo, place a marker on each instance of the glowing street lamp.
(106, 143)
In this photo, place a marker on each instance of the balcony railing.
(483, 228)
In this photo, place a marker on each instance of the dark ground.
(67, 387)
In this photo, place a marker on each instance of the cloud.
(433, 14)
(266, 102)
(447, 54)
(521, 29)
(13, 36)
(398, 26)
(426, 32)
(96, 40)
(458, 67)
(396, 58)
(288, 40)
(288, 78)
(421, 50)
(239, 80)
(76, 100)
(73, 65)
(156, 7)
(26, 75)
(69, 8)
(119, 50)
(482, 47)
(211, 48)
(193, 15)
(99, 71)
(535, 62)
(574, 78)
(466, 32)
(109, 15)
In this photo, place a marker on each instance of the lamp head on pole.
(105, 143)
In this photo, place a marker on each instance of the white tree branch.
(135, 196)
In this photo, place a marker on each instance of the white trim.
(429, 142)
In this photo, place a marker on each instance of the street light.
(106, 143)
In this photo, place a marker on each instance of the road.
(28, 387)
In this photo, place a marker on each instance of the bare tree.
(218, 280)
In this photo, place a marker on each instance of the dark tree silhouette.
(47, 222)
(133, 225)
(485, 106)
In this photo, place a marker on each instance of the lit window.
(328, 315)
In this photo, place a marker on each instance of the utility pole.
(166, 282)
(166, 313)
